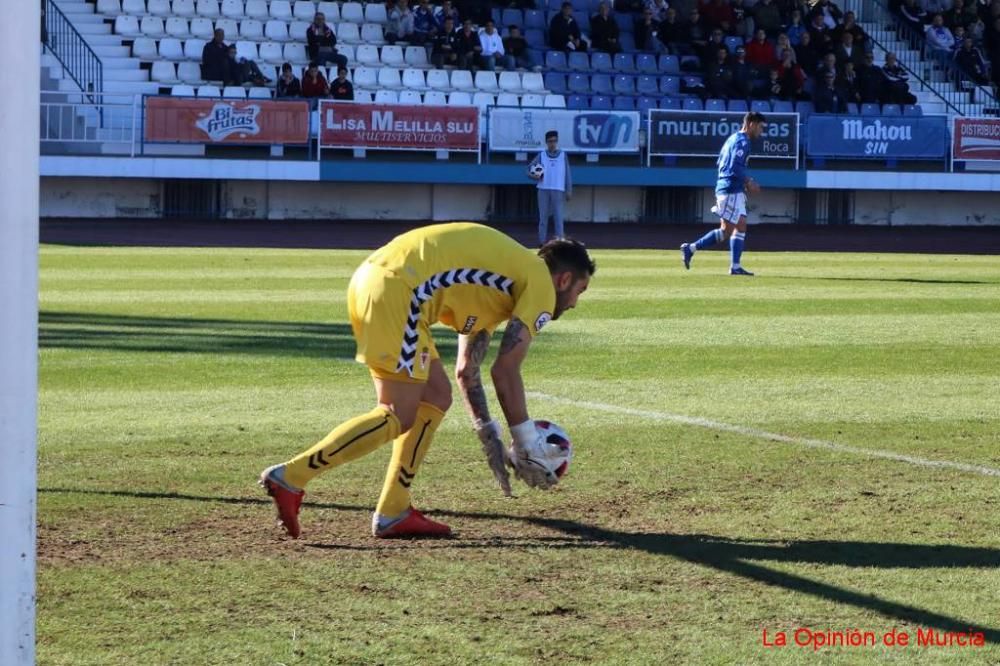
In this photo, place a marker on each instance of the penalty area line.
(665, 417)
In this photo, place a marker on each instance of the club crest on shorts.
(425, 356)
(542, 320)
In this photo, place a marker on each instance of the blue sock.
(708, 240)
(736, 247)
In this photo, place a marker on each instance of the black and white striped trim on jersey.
(423, 293)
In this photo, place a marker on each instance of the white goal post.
(20, 30)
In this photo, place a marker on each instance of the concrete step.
(87, 29)
(120, 63)
(126, 75)
(103, 40)
(105, 51)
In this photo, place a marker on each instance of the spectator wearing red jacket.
(314, 83)
(760, 53)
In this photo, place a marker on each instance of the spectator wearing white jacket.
(493, 50)
(940, 41)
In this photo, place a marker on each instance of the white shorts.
(730, 207)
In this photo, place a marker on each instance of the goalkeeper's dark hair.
(753, 117)
(566, 254)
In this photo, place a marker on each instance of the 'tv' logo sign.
(602, 130)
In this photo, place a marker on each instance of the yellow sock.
(408, 451)
(352, 439)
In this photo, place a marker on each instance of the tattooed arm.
(471, 352)
(506, 372)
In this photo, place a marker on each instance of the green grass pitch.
(170, 377)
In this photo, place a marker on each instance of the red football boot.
(286, 500)
(411, 524)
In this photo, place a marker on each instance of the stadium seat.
(234, 92)
(583, 20)
(164, 72)
(601, 62)
(190, 72)
(352, 12)
(247, 50)
(645, 63)
(601, 84)
(410, 98)
(209, 91)
(392, 56)
(435, 98)
(202, 28)
(624, 85)
(367, 55)
(510, 82)
(280, 9)
(232, 9)
(363, 97)
(230, 27)
(483, 100)
(782, 106)
(256, 9)
(511, 17)
(271, 52)
(647, 85)
(297, 31)
(208, 8)
(192, 49)
(259, 92)
(577, 102)
(668, 64)
(134, 7)
(460, 98)
(375, 13)
(152, 26)
(759, 105)
(556, 60)
(304, 10)
(891, 110)
(171, 49)
(600, 102)
(623, 103)
(349, 33)
(644, 104)
(578, 62)
(871, 110)
(388, 77)
(693, 104)
(437, 79)
(127, 26)
(182, 91)
(627, 41)
(533, 82)
(852, 109)
(912, 110)
(330, 10)
(624, 63)
(178, 27)
(414, 79)
(415, 56)
(579, 83)
(144, 48)
(670, 103)
(508, 99)
(670, 85)
(535, 39)
(732, 42)
(295, 53)
(533, 100)
(625, 21)
(552, 6)
(534, 19)
(804, 109)
(386, 97)
(110, 8)
(365, 77)
(485, 81)
(371, 33)
(737, 106)
(715, 105)
(555, 82)
(554, 102)
(276, 31)
(183, 8)
(251, 30)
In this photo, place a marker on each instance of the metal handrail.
(72, 51)
(75, 123)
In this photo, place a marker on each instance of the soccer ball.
(560, 448)
(536, 171)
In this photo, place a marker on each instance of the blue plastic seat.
(578, 61)
(692, 104)
(602, 102)
(669, 64)
(913, 110)
(671, 103)
(625, 22)
(624, 103)
(535, 38)
(871, 110)
(582, 20)
(625, 84)
(715, 105)
(512, 17)
(556, 60)
(601, 62)
(535, 18)
(852, 109)
(645, 63)
(644, 104)
(577, 102)
(555, 83)
(761, 106)
(670, 85)
(624, 63)
(626, 40)
(578, 83)
(782, 106)
(733, 42)
(738, 106)
(601, 84)
(804, 109)
(647, 85)
(891, 110)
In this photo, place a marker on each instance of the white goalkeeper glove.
(490, 435)
(529, 455)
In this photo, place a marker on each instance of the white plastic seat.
(304, 10)
(554, 102)
(437, 79)
(435, 98)
(134, 7)
(144, 48)
(281, 9)
(388, 77)
(416, 56)
(392, 56)
(209, 91)
(375, 13)
(532, 100)
(164, 72)
(352, 12)
(159, 8)
(230, 27)
(532, 82)
(271, 52)
(235, 92)
(330, 10)
(460, 98)
(258, 92)
(202, 27)
(192, 48)
(232, 9)
(483, 100)
(367, 55)
(297, 31)
(189, 72)
(127, 26)
(508, 99)
(386, 97)
(365, 77)
(182, 90)
(371, 33)
(486, 81)
(347, 50)
(276, 31)
(295, 52)
(362, 97)
(183, 8)
(246, 50)
(410, 97)
(209, 8)
(171, 49)
(109, 7)
(349, 33)
(510, 82)
(414, 79)
(256, 9)
(251, 30)
(461, 79)
(178, 27)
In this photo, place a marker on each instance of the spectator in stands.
(719, 75)
(424, 24)
(554, 186)
(970, 60)
(871, 81)
(781, 45)
(847, 84)
(743, 23)
(718, 14)
(913, 15)
(314, 84)
(698, 32)
(604, 31)
(399, 26)
(791, 77)
(767, 17)
(827, 98)
(773, 89)
(745, 75)
(940, 41)
(215, 58)
(710, 51)
(288, 84)
(684, 8)
(991, 41)
(241, 70)
(819, 34)
(795, 29)
(806, 55)
(830, 12)
(898, 87)
(647, 29)
(933, 7)
(469, 47)
(847, 51)
(445, 50)
(961, 14)
(447, 10)
(828, 64)
(516, 47)
(321, 42)
(564, 33)
(850, 25)
(493, 50)
(340, 87)
(958, 32)
(760, 53)
(673, 35)
(658, 8)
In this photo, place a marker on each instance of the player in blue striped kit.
(731, 189)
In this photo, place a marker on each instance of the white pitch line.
(772, 436)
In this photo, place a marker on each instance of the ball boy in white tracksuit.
(554, 186)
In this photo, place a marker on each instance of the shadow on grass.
(739, 557)
(903, 280)
(124, 333)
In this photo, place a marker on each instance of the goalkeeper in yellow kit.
(471, 278)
